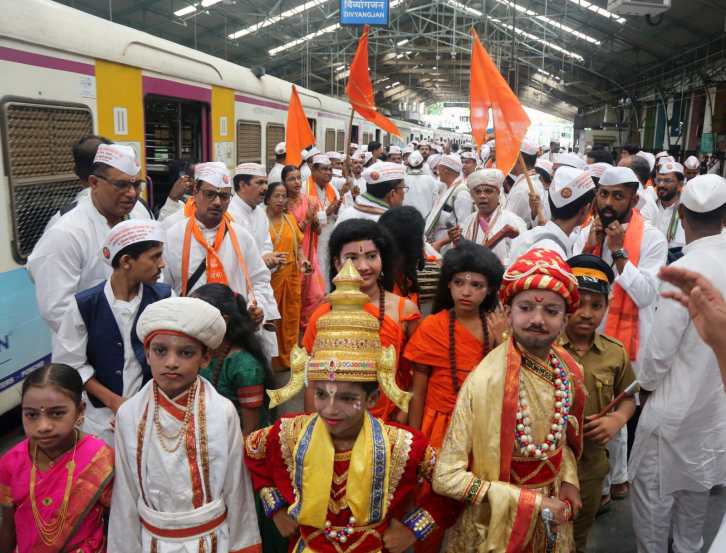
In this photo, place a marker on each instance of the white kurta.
(646, 204)
(166, 478)
(351, 212)
(170, 207)
(663, 222)
(254, 220)
(360, 182)
(70, 348)
(258, 272)
(499, 219)
(517, 201)
(421, 193)
(641, 282)
(326, 229)
(67, 259)
(139, 211)
(548, 236)
(275, 174)
(452, 208)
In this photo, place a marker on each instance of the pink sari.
(313, 287)
(90, 496)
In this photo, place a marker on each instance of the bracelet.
(272, 500)
(420, 522)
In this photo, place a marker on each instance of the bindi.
(467, 276)
(538, 299)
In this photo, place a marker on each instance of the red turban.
(540, 269)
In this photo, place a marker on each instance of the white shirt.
(542, 237)
(305, 172)
(687, 410)
(327, 225)
(663, 222)
(275, 174)
(170, 208)
(459, 205)
(139, 211)
(517, 201)
(254, 220)
(67, 259)
(352, 213)
(360, 182)
(641, 282)
(499, 219)
(647, 206)
(421, 193)
(70, 348)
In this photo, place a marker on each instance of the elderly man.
(453, 206)
(491, 225)
(385, 188)
(65, 260)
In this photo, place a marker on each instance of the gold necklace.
(49, 531)
(277, 232)
(182, 432)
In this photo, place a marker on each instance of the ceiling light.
(551, 22)
(463, 8)
(311, 36)
(547, 43)
(598, 10)
(297, 10)
(402, 42)
(209, 3)
(185, 11)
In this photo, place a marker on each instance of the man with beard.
(516, 432)
(668, 185)
(636, 251)
(646, 196)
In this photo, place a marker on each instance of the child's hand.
(603, 429)
(286, 525)
(256, 313)
(398, 538)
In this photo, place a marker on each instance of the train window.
(39, 139)
(367, 138)
(329, 140)
(313, 126)
(249, 142)
(386, 140)
(275, 134)
(340, 141)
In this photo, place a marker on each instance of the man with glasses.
(668, 186)
(66, 259)
(207, 247)
(385, 188)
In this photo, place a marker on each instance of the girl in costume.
(450, 343)
(370, 247)
(238, 366)
(304, 209)
(37, 476)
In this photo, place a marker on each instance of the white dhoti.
(618, 459)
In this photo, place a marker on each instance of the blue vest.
(105, 346)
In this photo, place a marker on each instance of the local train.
(66, 73)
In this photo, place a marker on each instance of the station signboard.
(364, 12)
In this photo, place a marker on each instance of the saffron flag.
(488, 89)
(360, 88)
(298, 134)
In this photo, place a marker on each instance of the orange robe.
(287, 286)
(430, 346)
(391, 335)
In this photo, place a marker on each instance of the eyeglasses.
(211, 195)
(404, 188)
(122, 185)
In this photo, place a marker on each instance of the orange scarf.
(330, 196)
(215, 267)
(622, 322)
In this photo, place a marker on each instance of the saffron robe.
(479, 466)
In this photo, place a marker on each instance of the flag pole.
(348, 141)
(523, 168)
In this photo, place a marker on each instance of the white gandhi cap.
(704, 193)
(614, 176)
(280, 149)
(485, 177)
(131, 232)
(568, 185)
(451, 161)
(250, 169)
(692, 163)
(213, 172)
(119, 156)
(670, 167)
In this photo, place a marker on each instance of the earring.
(79, 422)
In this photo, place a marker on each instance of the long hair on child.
(472, 258)
(241, 329)
(406, 226)
(62, 377)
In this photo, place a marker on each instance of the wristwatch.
(620, 254)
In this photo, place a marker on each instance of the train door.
(176, 136)
(354, 131)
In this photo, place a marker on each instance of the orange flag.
(360, 89)
(488, 89)
(298, 134)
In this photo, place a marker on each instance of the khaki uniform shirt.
(607, 372)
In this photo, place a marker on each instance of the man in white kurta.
(196, 496)
(668, 185)
(679, 452)
(570, 197)
(517, 201)
(490, 218)
(319, 186)
(384, 190)
(66, 259)
(453, 206)
(646, 194)
(422, 187)
(275, 174)
(240, 271)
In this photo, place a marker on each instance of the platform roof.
(562, 56)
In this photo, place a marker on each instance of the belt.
(188, 532)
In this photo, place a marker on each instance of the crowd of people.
(258, 364)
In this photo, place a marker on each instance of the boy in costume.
(340, 480)
(181, 485)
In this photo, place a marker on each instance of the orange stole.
(430, 346)
(622, 320)
(391, 334)
(330, 195)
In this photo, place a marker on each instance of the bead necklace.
(452, 345)
(51, 530)
(341, 536)
(527, 446)
(182, 432)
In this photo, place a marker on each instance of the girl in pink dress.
(55, 485)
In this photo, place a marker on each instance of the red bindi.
(538, 299)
